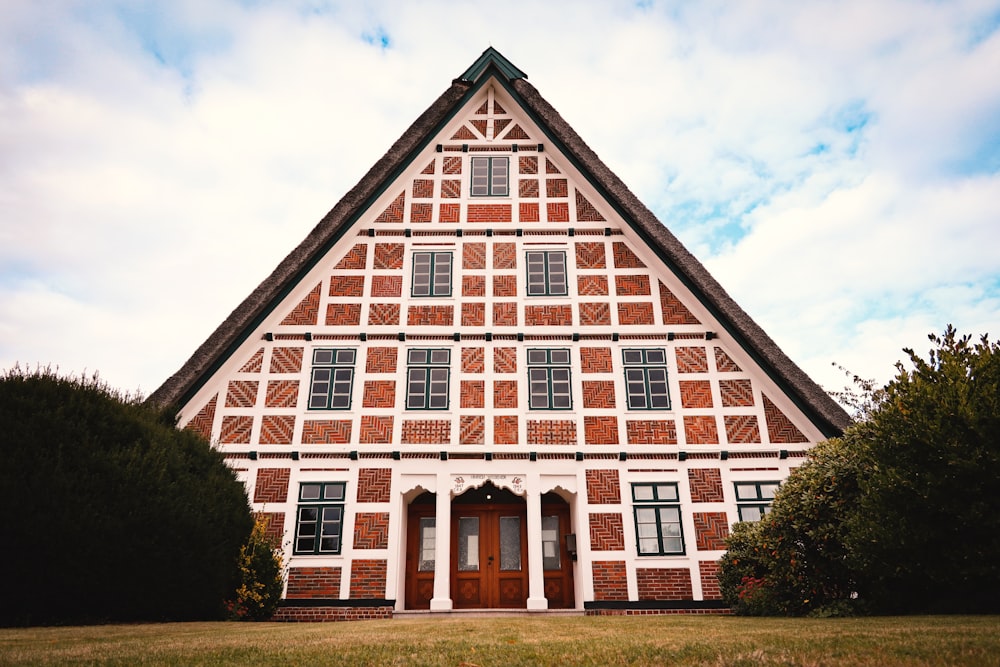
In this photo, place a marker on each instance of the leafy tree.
(112, 514)
(262, 575)
(901, 514)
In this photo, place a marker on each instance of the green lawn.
(523, 640)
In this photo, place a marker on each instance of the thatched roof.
(828, 416)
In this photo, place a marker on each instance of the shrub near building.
(112, 513)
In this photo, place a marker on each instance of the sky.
(835, 165)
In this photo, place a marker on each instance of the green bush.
(113, 513)
(262, 575)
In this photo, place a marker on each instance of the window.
(657, 519)
(646, 379)
(548, 380)
(546, 273)
(753, 499)
(320, 518)
(427, 379)
(489, 177)
(332, 377)
(431, 274)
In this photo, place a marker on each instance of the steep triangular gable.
(559, 183)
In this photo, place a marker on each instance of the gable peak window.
(431, 274)
(546, 273)
(490, 176)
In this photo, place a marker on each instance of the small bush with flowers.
(262, 575)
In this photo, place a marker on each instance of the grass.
(527, 640)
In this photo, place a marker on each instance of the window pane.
(427, 544)
(421, 274)
(560, 357)
(510, 543)
(537, 357)
(645, 515)
(649, 546)
(550, 543)
(345, 356)
(333, 492)
(642, 492)
(666, 492)
(673, 545)
(746, 492)
(632, 356)
(309, 491)
(468, 543)
(322, 356)
(656, 357)
(557, 273)
(749, 513)
(440, 356)
(480, 176)
(767, 491)
(416, 357)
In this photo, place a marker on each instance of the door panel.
(490, 558)
(420, 557)
(556, 561)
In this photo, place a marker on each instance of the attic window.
(489, 176)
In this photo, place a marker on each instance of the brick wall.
(313, 582)
(610, 581)
(368, 578)
(663, 583)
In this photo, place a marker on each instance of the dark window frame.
(545, 259)
(662, 506)
(430, 288)
(646, 367)
(553, 373)
(427, 367)
(490, 183)
(320, 505)
(760, 503)
(336, 374)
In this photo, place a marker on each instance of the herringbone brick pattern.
(473, 360)
(742, 429)
(202, 422)
(379, 394)
(255, 363)
(282, 394)
(472, 430)
(449, 212)
(505, 360)
(451, 188)
(625, 258)
(696, 393)
(550, 167)
(692, 360)
(598, 394)
(421, 212)
(473, 314)
(505, 430)
(674, 312)
(590, 255)
(589, 285)
(556, 187)
(527, 188)
(473, 285)
(504, 256)
(277, 429)
(236, 429)
(375, 429)
(632, 285)
(389, 255)
(631, 314)
(603, 487)
(394, 211)
(451, 166)
(343, 314)
(610, 580)
(548, 315)
(368, 579)
(423, 188)
(464, 133)
(706, 485)
(606, 532)
(274, 524)
(307, 583)
(504, 394)
(551, 432)
(528, 164)
(356, 258)
(505, 314)
(473, 394)
(663, 583)
(595, 359)
(387, 286)
(429, 316)
(585, 211)
(504, 285)
(651, 432)
(307, 311)
(426, 431)
(374, 485)
(429, 169)
(780, 429)
(241, 393)
(371, 530)
(286, 360)
(600, 430)
(736, 393)
(341, 285)
(595, 314)
(271, 485)
(383, 313)
(709, 571)
(528, 212)
(701, 430)
(326, 431)
(474, 256)
(711, 530)
(724, 363)
(381, 360)
(557, 211)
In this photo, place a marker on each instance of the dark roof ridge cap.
(825, 407)
(257, 303)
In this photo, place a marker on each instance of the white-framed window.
(546, 273)
(753, 499)
(319, 521)
(490, 176)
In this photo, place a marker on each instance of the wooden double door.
(489, 552)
